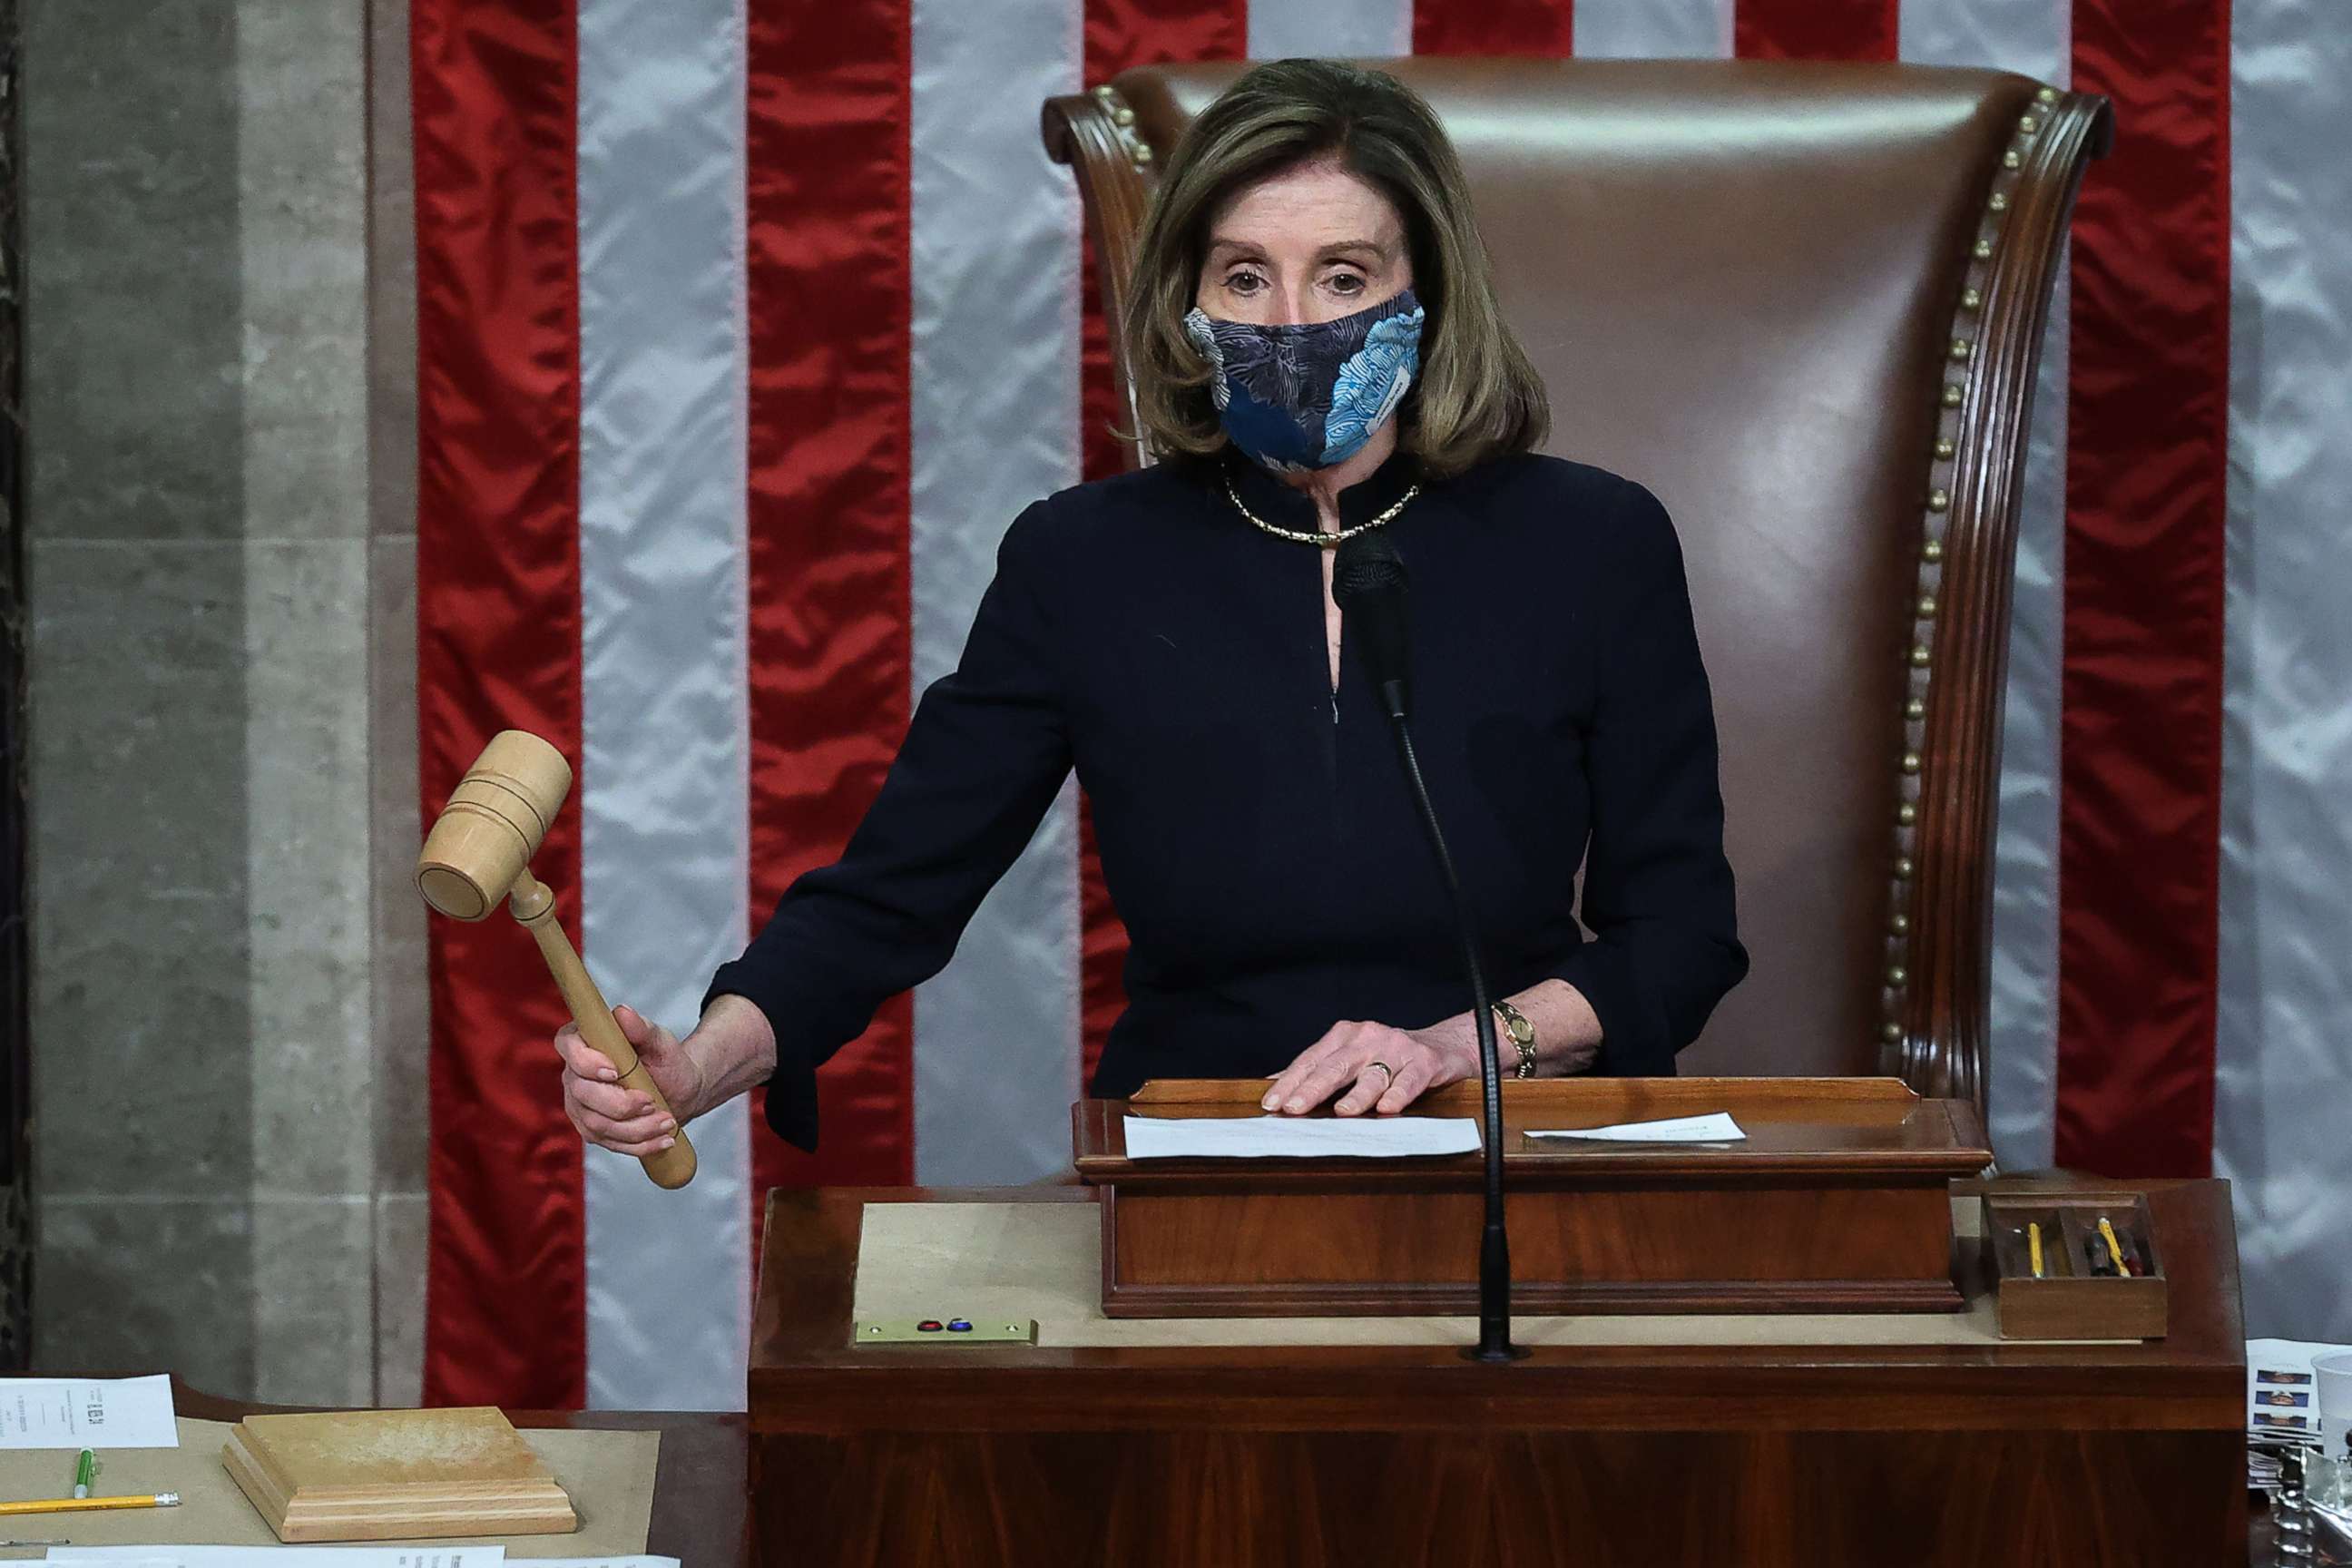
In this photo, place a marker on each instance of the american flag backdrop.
(747, 325)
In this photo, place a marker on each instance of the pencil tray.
(2080, 1295)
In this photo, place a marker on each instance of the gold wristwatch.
(1523, 1035)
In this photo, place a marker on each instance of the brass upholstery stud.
(1896, 976)
(1999, 203)
(2047, 95)
(1899, 924)
(1906, 814)
(1910, 761)
(1927, 607)
(1983, 250)
(1971, 299)
(1892, 1034)
(1921, 657)
(1916, 708)
(2029, 125)
(1123, 116)
(1946, 447)
(1105, 91)
(1951, 394)
(2012, 159)
(1143, 153)
(1962, 348)
(1938, 500)
(1903, 866)
(1933, 550)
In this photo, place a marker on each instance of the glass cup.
(2332, 1375)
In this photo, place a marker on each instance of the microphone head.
(1368, 567)
(1368, 584)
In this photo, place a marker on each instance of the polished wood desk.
(2123, 1454)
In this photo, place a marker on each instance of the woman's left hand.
(1352, 1056)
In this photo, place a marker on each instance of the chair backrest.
(1804, 304)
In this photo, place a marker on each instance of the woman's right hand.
(619, 1119)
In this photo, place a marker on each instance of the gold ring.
(1384, 1067)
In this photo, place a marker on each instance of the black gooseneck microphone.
(1368, 582)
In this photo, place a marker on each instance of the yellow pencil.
(90, 1504)
(2033, 1245)
(2115, 1249)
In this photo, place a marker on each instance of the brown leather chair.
(1802, 303)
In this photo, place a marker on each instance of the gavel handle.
(534, 906)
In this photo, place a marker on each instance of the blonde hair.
(1478, 397)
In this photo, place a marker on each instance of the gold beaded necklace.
(1318, 538)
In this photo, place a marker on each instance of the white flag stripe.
(663, 794)
(2021, 1094)
(2284, 1072)
(2033, 38)
(1654, 30)
(994, 413)
(1333, 29)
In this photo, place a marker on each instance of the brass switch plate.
(910, 1332)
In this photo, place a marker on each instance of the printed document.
(1719, 1128)
(1315, 1138)
(87, 1413)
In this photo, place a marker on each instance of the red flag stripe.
(2146, 492)
(1120, 36)
(1817, 29)
(830, 662)
(498, 646)
(1494, 27)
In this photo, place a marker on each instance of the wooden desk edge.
(806, 1376)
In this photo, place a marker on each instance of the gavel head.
(492, 825)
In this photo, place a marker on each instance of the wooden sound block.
(389, 1474)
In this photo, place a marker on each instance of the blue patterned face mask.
(1309, 396)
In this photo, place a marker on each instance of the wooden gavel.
(479, 851)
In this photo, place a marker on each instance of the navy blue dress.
(1255, 830)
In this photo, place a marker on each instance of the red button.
(928, 1326)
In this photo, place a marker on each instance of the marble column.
(199, 574)
(399, 1022)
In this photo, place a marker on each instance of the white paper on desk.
(2288, 1363)
(87, 1413)
(1253, 1137)
(1717, 1127)
(283, 1556)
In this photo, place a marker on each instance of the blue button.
(959, 1326)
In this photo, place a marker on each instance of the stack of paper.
(1717, 1127)
(1253, 1137)
(287, 1556)
(2281, 1400)
(329, 1557)
(87, 1413)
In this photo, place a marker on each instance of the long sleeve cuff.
(792, 1091)
(1633, 1043)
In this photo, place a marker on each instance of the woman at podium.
(1318, 353)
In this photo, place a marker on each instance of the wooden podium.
(1838, 1200)
(1777, 1438)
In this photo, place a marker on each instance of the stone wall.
(227, 1010)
